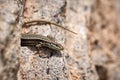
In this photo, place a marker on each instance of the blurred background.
(104, 38)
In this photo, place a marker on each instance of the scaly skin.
(40, 41)
(41, 22)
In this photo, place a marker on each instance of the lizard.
(40, 40)
(41, 22)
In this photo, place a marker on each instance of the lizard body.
(41, 22)
(40, 41)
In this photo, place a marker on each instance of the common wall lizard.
(42, 22)
(39, 40)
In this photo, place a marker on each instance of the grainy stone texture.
(74, 63)
(80, 65)
(45, 64)
(9, 39)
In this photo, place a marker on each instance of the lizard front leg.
(41, 53)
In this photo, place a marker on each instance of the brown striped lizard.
(39, 40)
